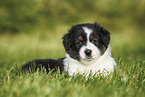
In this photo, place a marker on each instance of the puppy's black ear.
(66, 42)
(105, 35)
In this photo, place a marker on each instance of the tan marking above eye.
(80, 38)
(91, 37)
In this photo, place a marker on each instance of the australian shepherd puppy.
(87, 50)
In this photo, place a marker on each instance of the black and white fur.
(87, 49)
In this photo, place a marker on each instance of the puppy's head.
(86, 42)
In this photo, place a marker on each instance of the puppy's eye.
(78, 42)
(94, 40)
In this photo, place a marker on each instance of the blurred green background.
(25, 15)
(32, 29)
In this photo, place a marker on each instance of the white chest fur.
(103, 63)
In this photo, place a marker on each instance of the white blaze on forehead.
(95, 51)
(88, 32)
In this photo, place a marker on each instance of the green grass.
(128, 80)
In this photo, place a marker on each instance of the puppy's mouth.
(88, 58)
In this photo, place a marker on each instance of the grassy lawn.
(128, 49)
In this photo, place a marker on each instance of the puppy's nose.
(88, 52)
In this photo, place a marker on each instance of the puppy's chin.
(88, 61)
